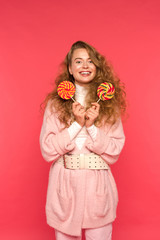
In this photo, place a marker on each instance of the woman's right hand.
(79, 113)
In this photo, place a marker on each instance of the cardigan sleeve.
(74, 129)
(53, 141)
(108, 143)
(92, 130)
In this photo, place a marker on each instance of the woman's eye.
(90, 61)
(78, 61)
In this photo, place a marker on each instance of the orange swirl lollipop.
(105, 91)
(66, 90)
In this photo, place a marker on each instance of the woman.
(82, 139)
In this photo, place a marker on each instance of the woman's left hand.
(91, 114)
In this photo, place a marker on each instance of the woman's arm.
(108, 143)
(53, 142)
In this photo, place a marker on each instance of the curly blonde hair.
(110, 110)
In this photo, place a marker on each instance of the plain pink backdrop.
(34, 38)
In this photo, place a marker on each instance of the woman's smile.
(85, 74)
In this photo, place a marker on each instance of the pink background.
(34, 38)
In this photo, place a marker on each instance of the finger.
(90, 115)
(93, 111)
(82, 111)
(74, 105)
(81, 107)
(96, 106)
(86, 116)
(77, 107)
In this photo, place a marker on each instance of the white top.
(75, 130)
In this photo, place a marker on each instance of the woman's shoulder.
(52, 105)
(50, 108)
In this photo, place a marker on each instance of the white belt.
(83, 161)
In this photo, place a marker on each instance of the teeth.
(85, 72)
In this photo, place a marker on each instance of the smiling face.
(82, 68)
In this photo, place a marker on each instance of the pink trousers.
(102, 233)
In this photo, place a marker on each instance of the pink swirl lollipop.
(66, 90)
(105, 91)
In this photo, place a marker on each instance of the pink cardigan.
(83, 198)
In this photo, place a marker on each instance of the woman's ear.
(70, 71)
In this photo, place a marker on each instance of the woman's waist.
(83, 161)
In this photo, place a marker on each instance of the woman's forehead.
(80, 53)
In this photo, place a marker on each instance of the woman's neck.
(80, 93)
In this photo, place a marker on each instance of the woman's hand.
(91, 114)
(79, 113)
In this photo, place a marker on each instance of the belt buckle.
(82, 160)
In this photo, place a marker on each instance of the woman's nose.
(85, 64)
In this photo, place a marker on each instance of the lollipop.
(66, 90)
(105, 91)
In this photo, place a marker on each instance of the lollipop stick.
(98, 100)
(73, 99)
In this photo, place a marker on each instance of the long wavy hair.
(110, 110)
